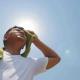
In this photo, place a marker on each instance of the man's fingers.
(31, 33)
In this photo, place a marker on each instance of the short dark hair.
(4, 40)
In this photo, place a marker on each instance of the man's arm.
(53, 58)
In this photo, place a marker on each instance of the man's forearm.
(48, 52)
(53, 58)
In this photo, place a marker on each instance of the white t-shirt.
(15, 67)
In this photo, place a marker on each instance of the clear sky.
(57, 23)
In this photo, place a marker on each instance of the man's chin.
(22, 47)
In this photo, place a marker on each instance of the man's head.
(15, 37)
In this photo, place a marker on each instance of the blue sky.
(57, 25)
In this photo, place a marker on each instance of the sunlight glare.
(28, 24)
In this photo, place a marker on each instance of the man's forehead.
(13, 30)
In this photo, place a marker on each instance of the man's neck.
(12, 51)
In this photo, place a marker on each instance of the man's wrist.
(35, 40)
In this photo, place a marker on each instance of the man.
(15, 67)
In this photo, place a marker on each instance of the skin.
(18, 38)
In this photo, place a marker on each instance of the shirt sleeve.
(40, 65)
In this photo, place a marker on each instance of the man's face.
(17, 37)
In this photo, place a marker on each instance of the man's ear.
(6, 36)
(5, 39)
